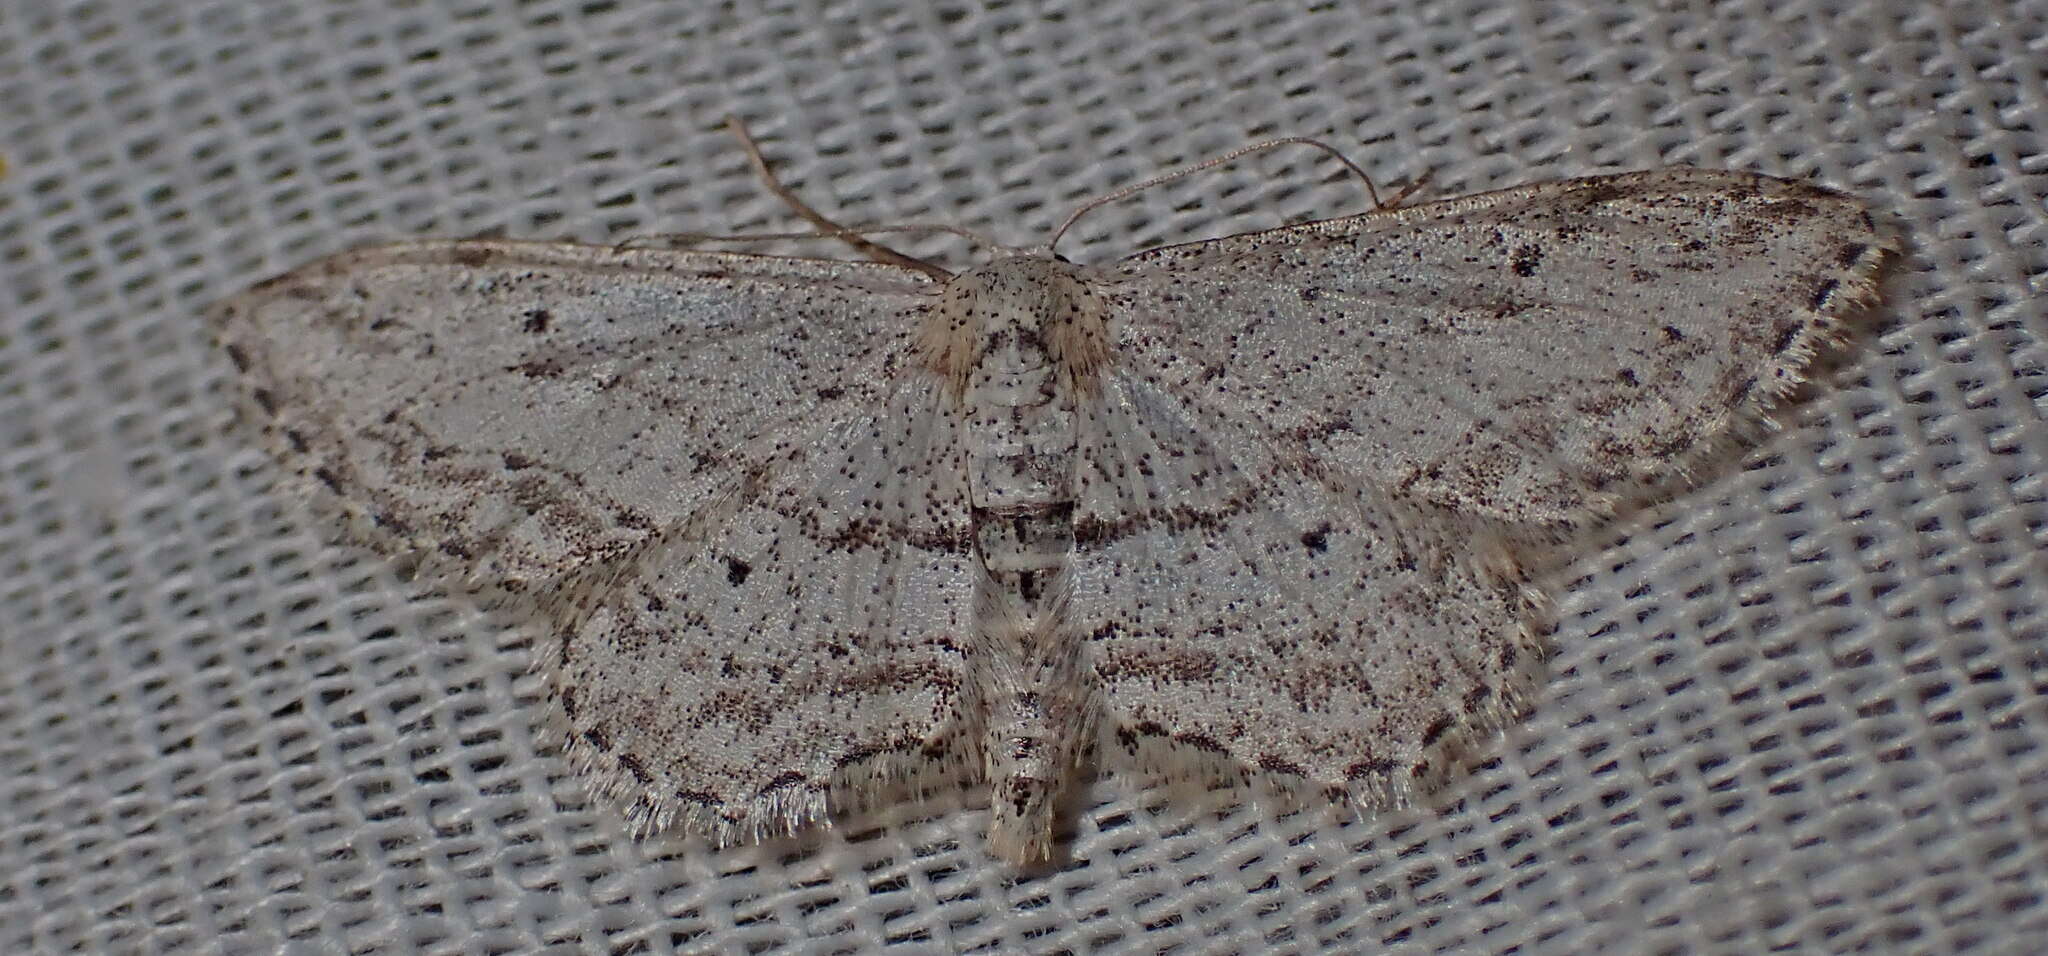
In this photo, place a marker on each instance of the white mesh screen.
(1799, 709)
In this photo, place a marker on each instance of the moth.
(1285, 503)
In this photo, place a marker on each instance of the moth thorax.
(1021, 324)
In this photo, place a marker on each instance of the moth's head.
(1027, 301)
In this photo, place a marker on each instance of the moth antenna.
(866, 229)
(1213, 162)
(1409, 190)
(873, 250)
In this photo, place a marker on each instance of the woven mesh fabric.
(1801, 708)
